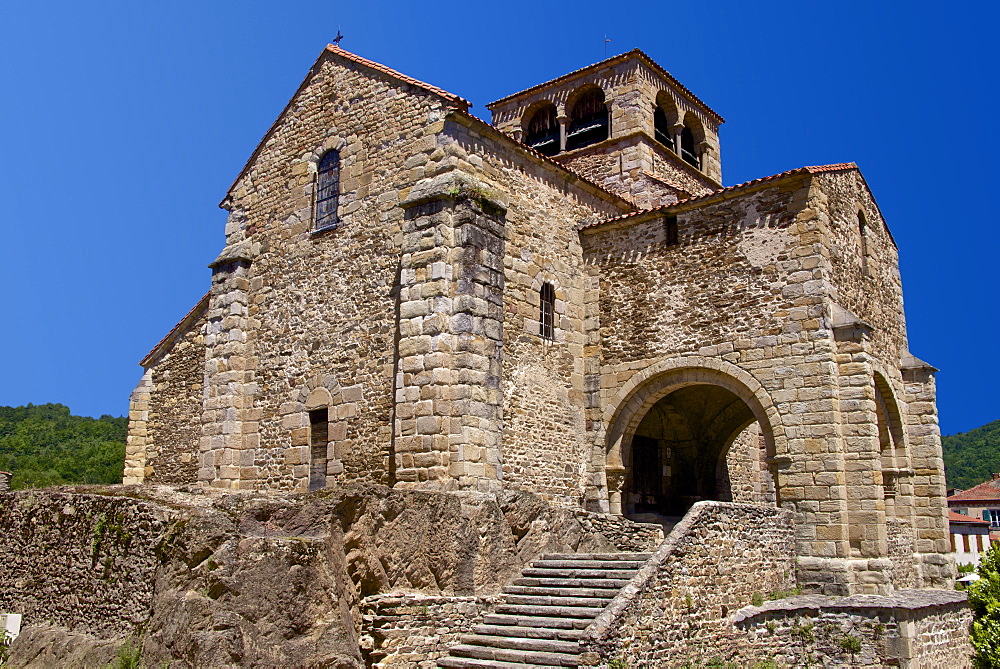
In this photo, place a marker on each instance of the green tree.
(984, 596)
(971, 457)
(44, 445)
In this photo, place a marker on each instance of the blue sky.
(125, 122)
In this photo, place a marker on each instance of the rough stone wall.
(84, 562)
(407, 630)
(746, 469)
(321, 305)
(677, 607)
(174, 421)
(912, 628)
(137, 441)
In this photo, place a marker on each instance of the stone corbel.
(846, 325)
(914, 369)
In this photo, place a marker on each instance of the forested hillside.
(44, 445)
(970, 457)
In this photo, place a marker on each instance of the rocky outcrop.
(208, 578)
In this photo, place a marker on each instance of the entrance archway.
(678, 452)
(679, 434)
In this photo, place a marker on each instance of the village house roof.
(984, 492)
(967, 520)
(634, 53)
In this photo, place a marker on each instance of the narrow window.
(318, 441)
(965, 542)
(863, 230)
(328, 190)
(671, 223)
(547, 313)
(953, 544)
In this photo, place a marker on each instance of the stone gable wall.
(321, 306)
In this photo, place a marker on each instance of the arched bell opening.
(698, 442)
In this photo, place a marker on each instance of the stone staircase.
(543, 613)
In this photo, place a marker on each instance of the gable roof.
(452, 99)
(484, 127)
(175, 333)
(724, 192)
(984, 492)
(639, 55)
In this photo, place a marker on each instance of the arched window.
(688, 150)
(328, 190)
(547, 311)
(588, 122)
(542, 131)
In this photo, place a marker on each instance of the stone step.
(587, 564)
(549, 611)
(600, 593)
(614, 584)
(474, 662)
(541, 632)
(529, 657)
(556, 601)
(516, 620)
(518, 643)
(579, 573)
(641, 557)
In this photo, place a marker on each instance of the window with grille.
(546, 317)
(688, 150)
(328, 190)
(588, 122)
(542, 133)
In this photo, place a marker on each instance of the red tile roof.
(333, 48)
(614, 59)
(959, 518)
(983, 492)
(814, 169)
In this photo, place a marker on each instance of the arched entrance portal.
(685, 435)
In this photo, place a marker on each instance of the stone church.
(566, 301)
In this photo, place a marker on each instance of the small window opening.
(319, 439)
(588, 121)
(328, 190)
(661, 128)
(547, 311)
(863, 231)
(671, 224)
(688, 152)
(542, 133)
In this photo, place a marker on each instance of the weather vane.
(606, 40)
(336, 40)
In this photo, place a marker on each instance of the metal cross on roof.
(336, 40)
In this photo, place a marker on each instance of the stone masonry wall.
(174, 422)
(676, 608)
